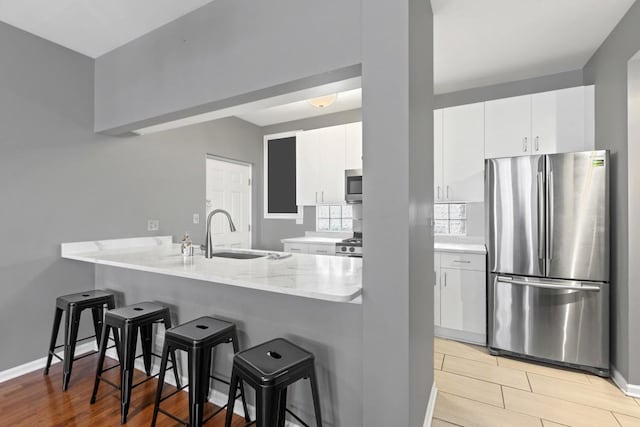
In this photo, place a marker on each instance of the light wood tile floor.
(476, 389)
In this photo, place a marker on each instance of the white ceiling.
(93, 27)
(484, 42)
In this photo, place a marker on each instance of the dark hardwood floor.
(37, 400)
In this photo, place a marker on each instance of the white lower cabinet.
(311, 248)
(460, 297)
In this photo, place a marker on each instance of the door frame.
(209, 156)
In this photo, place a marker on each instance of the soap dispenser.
(187, 245)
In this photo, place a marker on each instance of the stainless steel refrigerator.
(548, 265)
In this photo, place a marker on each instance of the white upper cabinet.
(508, 127)
(438, 184)
(353, 146)
(463, 153)
(320, 165)
(550, 122)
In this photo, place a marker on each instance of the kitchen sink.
(237, 255)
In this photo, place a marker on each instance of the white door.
(508, 127)
(557, 121)
(229, 188)
(463, 153)
(353, 146)
(462, 300)
(331, 161)
(438, 185)
(307, 147)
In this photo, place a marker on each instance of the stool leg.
(266, 409)
(57, 316)
(198, 378)
(316, 397)
(96, 313)
(233, 386)
(72, 322)
(282, 406)
(236, 349)
(146, 334)
(104, 338)
(167, 325)
(111, 304)
(163, 368)
(129, 339)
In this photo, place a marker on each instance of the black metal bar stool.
(270, 368)
(198, 338)
(128, 320)
(73, 305)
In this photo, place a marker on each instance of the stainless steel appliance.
(548, 239)
(353, 185)
(351, 247)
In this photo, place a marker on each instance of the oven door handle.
(548, 285)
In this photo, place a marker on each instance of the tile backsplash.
(450, 219)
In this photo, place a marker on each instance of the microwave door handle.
(548, 285)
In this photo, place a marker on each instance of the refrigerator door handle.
(550, 214)
(541, 231)
(548, 285)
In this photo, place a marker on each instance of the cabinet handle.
(537, 143)
(445, 279)
(438, 192)
(322, 196)
(524, 144)
(447, 192)
(462, 261)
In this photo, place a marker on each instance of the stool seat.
(200, 332)
(72, 306)
(197, 338)
(135, 313)
(273, 360)
(84, 299)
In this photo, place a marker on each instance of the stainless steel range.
(351, 247)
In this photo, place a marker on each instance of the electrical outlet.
(153, 224)
(196, 218)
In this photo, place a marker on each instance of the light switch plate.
(196, 218)
(153, 224)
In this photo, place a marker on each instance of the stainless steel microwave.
(353, 185)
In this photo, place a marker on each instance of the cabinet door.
(463, 300)
(508, 127)
(463, 153)
(438, 185)
(436, 289)
(331, 164)
(307, 167)
(319, 249)
(353, 146)
(296, 248)
(558, 121)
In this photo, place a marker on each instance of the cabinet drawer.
(463, 261)
(296, 248)
(322, 249)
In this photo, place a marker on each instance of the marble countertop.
(313, 239)
(473, 248)
(313, 276)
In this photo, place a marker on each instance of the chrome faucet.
(209, 247)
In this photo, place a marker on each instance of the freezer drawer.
(556, 320)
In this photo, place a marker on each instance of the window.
(280, 177)
(450, 218)
(334, 218)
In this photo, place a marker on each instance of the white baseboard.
(454, 334)
(628, 389)
(41, 363)
(431, 406)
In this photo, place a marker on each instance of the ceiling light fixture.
(323, 101)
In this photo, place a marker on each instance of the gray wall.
(607, 69)
(225, 53)
(398, 157)
(505, 90)
(276, 229)
(61, 182)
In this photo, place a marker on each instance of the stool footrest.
(296, 417)
(170, 415)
